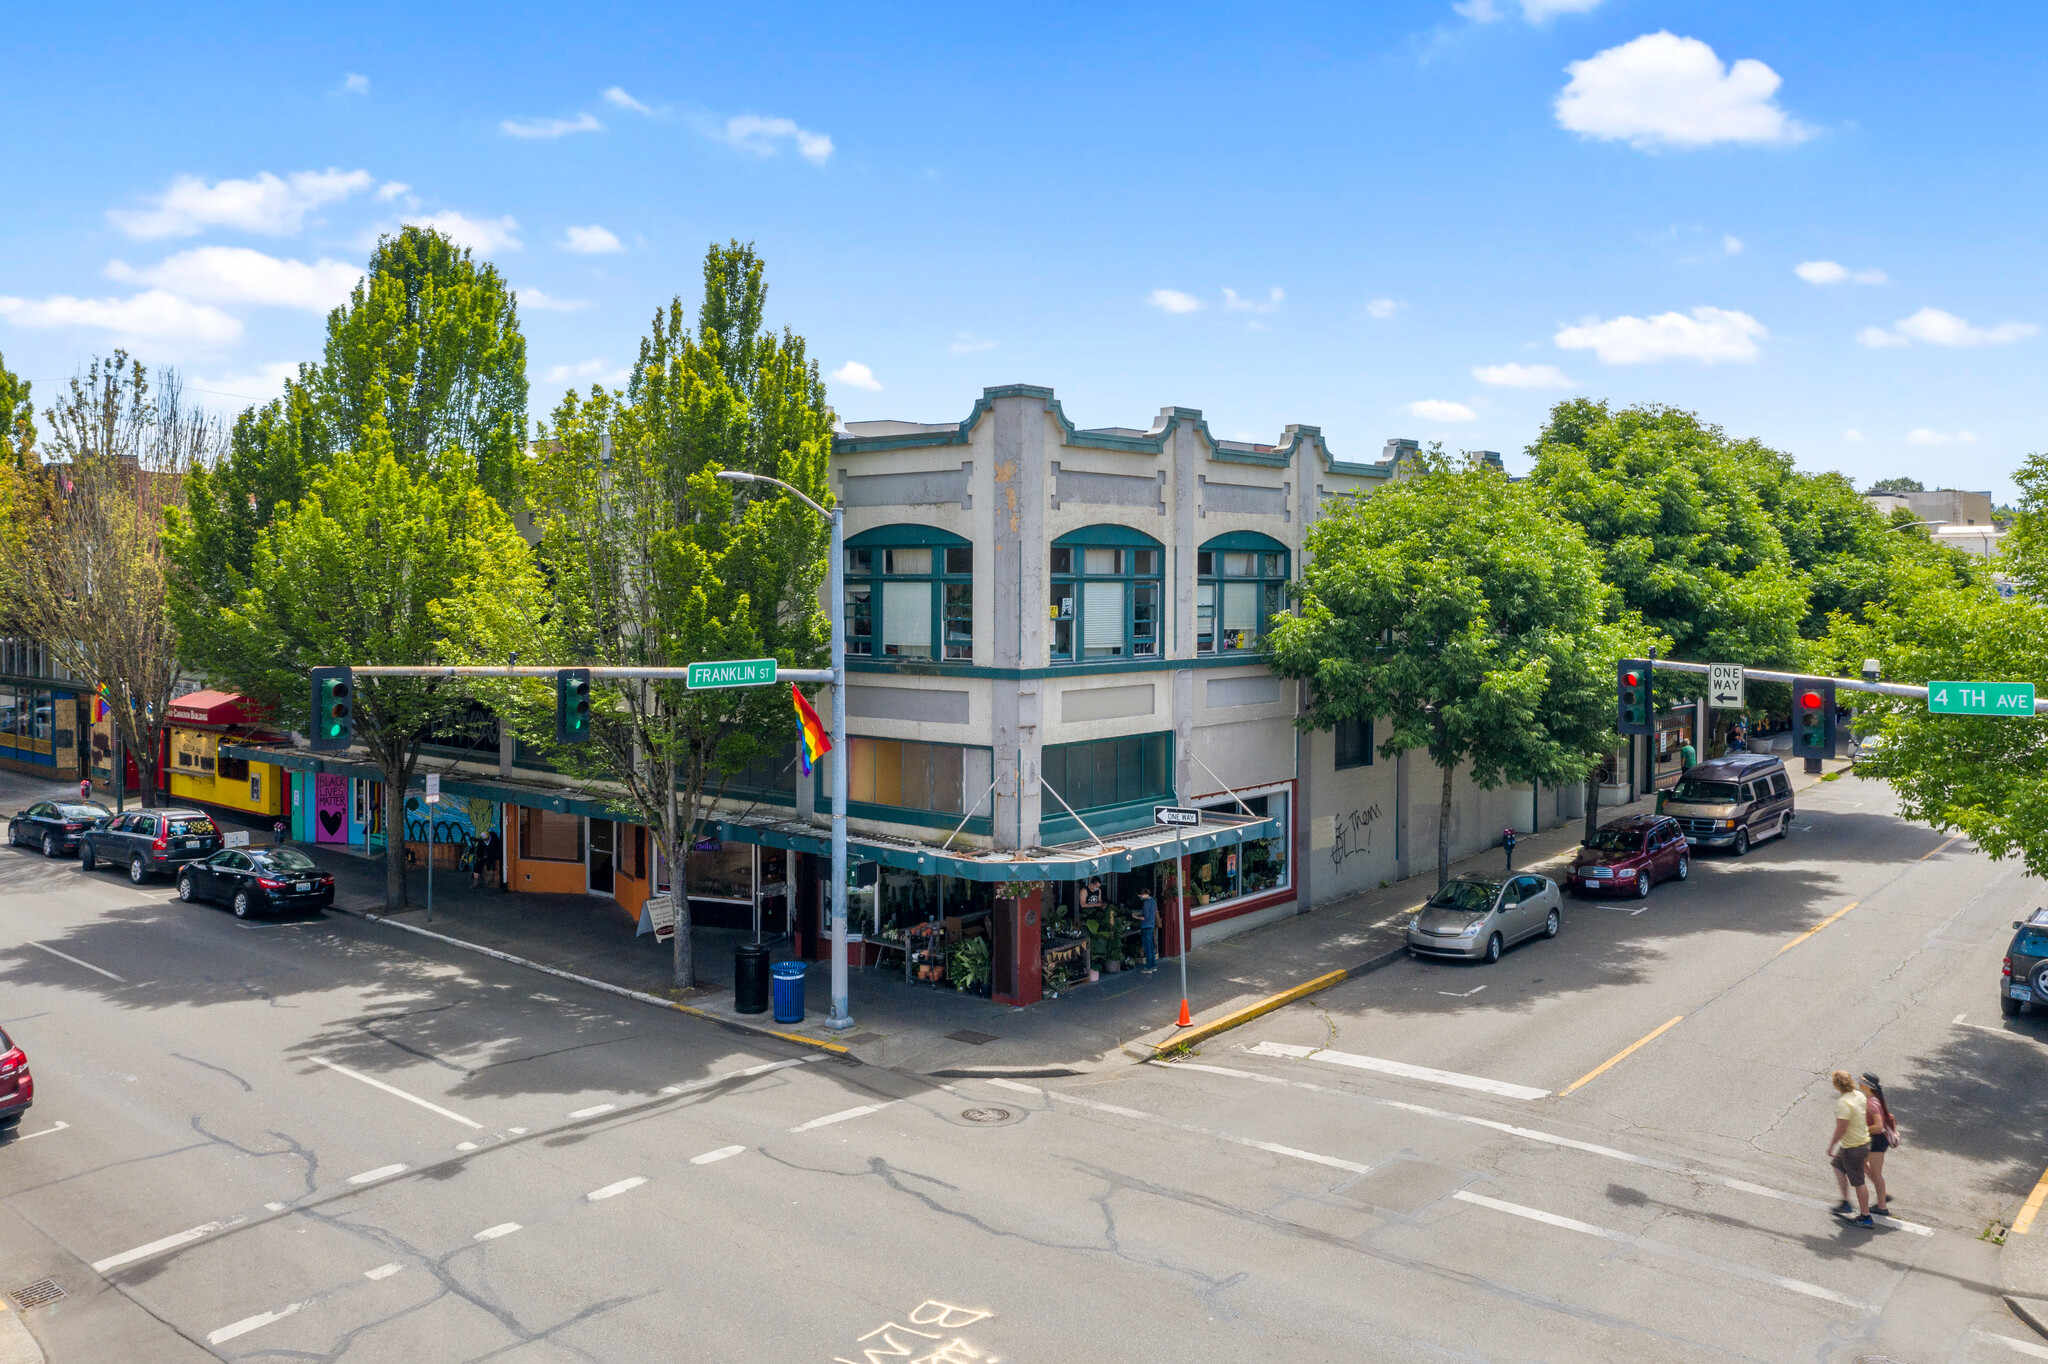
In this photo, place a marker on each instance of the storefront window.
(722, 872)
(940, 778)
(910, 594)
(545, 836)
(1105, 594)
(1240, 869)
(1108, 772)
(1242, 586)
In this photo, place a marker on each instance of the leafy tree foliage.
(1897, 485)
(1460, 607)
(17, 419)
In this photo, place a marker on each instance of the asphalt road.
(324, 1140)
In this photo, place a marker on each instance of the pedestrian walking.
(484, 861)
(1884, 1136)
(85, 789)
(1687, 756)
(1849, 1148)
(277, 832)
(1148, 929)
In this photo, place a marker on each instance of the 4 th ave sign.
(1981, 698)
(741, 672)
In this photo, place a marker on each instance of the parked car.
(2024, 979)
(1631, 854)
(17, 1086)
(54, 825)
(256, 879)
(148, 842)
(1732, 802)
(1475, 919)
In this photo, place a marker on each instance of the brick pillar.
(1016, 963)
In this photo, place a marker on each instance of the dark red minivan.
(1630, 855)
(17, 1086)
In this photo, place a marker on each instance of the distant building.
(1950, 505)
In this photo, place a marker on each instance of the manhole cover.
(971, 1114)
(37, 1294)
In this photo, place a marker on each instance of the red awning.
(213, 708)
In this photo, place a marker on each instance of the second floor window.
(1242, 585)
(910, 601)
(1105, 595)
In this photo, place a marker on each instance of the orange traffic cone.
(1185, 1021)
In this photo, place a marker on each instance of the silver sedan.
(1476, 919)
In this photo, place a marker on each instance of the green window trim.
(1108, 782)
(886, 616)
(1240, 585)
(1108, 595)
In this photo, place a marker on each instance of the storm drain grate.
(37, 1294)
(980, 1115)
(973, 1038)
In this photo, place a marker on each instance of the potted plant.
(968, 967)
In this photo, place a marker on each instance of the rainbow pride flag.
(100, 708)
(816, 742)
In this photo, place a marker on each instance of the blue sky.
(1820, 227)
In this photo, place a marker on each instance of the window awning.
(214, 708)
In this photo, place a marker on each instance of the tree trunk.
(679, 896)
(394, 837)
(1443, 829)
(148, 756)
(1592, 804)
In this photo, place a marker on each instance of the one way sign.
(1724, 686)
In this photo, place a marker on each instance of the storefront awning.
(213, 708)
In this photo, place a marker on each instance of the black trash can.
(750, 978)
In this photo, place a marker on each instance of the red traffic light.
(1810, 700)
(1632, 679)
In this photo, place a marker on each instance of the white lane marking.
(2024, 1347)
(31, 1136)
(1462, 994)
(1960, 1017)
(129, 1257)
(721, 1153)
(593, 1110)
(372, 1176)
(1401, 1069)
(1295, 1153)
(1661, 1248)
(75, 961)
(382, 1272)
(248, 1324)
(493, 1233)
(842, 1116)
(274, 1207)
(517, 1131)
(613, 1190)
(1548, 1138)
(695, 1085)
(393, 1089)
(465, 1146)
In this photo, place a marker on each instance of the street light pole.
(840, 1018)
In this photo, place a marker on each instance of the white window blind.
(1240, 606)
(907, 619)
(1103, 619)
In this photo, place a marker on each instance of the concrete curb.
(2023, 1262)
(1179, 1043)
(638, 996)
(2032, 1311)
(17, 1346)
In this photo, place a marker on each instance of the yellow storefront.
(198, 723)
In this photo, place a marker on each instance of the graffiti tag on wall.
(1353, 834)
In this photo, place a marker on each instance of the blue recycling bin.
(789, 991)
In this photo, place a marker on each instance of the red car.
(17, 1086)
(1630, 855)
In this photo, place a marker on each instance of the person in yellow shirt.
(1849, 1148)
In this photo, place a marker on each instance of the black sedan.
(257, 879)
(54, 825)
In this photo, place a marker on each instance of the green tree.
(654, 562)
(17, 419)
(1461, 608)
(1897, 485)
(381, 562)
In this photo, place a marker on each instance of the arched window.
(1105, 594)
(910, 594)
(1242, 584)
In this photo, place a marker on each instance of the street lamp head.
(1870, 670)
(737, 476)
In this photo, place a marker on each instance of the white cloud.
(591, 241)
(236, 274)
(1521, 376)
(1437, 410)
(1173, 301)
(598, 371)
(1922, 436)
(1533, 11)
(551, 127)
(619, 99)
(353, 84)
(856, 375)
(765, 136)
(1853, 436)
(392, 189)
(253, 386)
(1384, 308)
(1731, 245)
(967, 343)
(149, 320)
(1661, 90)
(1938, 328)
(1233, 304)
(540, 302)
(1830, 272)
(478, 234)
(1707, 335)
(267, 204)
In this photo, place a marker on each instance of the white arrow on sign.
(1724, 686)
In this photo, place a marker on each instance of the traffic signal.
(572, 705)
(334, 710)
(1813, 718)
(1632, 696)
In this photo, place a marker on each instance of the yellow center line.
(1943, 848)
(2024, 1223)
(1601, 1069)
(1818, 927)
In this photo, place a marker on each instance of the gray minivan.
(1732, 802)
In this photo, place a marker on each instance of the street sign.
(1175, 814)
(1981, 698)
(433, 788)
(238, 839)
(739, 672)
(1724, 686)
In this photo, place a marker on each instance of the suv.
(148, 842)
(1631, 854)
(2024, 980)
(1732, 802)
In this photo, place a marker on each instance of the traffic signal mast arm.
(812, 675)
(1797, 679)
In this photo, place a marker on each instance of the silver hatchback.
(1476, 919)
